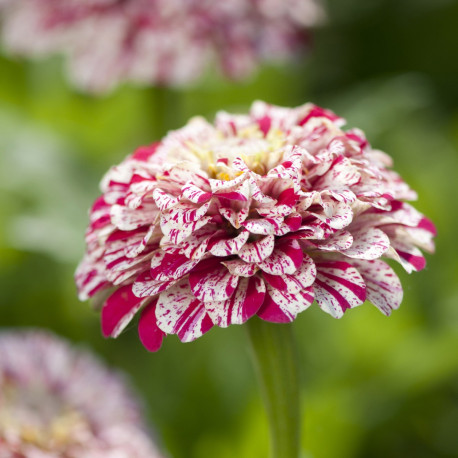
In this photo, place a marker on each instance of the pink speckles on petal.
(383, 286)
(164, 200)
(226, 246)
(302, 278)
(283, 307)
(257, 251)
(195, 194)
(170, 266)
(241, 306)
(146, 286)
(179, 312)
(212, 281)
(338, 287)
(284, 260)
(240, 268)
(368, 244)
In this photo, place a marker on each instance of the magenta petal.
(148, 331)
(338, 287)
(118, 310)
(241, 306)
(282, 307)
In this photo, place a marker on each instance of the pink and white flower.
(257, 214)
(58, 401)
(166, 42)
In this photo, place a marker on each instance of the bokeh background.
(372, 386)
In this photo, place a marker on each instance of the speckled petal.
(212, 281)
(285, 259)
(338, 287)
(179, 312)
(383, 286)
(241, 306)
(282, 307)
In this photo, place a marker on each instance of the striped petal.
(241, 306)
(179, 312)
(195, 194)
(369, 244)
(338, 287)
(285, 259)
(226, 246)
(170, 266)
(383, 286)
(303, 277)
(145, 285)
(257, 251)
(241, 268)
(211, 281)
(283, 307)
(164, 200)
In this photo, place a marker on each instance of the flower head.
(57, 401)
(258, 214)
(157, 41)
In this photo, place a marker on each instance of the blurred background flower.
(166, 42)
(61, 401)
(381, 387)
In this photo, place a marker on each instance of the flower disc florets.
(57, 402)
(166, 42)
(258, 214)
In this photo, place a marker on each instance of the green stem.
(164, 108)
(275, 359)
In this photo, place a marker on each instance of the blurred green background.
(372, 386)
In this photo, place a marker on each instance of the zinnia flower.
(258, 214)
(57, 401)
(157, 41)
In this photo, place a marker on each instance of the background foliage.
(372, 386)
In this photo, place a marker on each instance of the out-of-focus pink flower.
(157, 41)
(57, 401)
(256, 214)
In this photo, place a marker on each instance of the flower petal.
(211, 281)
(383, 286)
(145, 285)
(148, 331)
(368, 244)
(119, 309)
(283, 307)
(241, 268)
(195, 194)
(338, 287)
(179, 312)
(226, 246)
(257, 251)
(303, 277)
(285, 259)
(241, 306)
